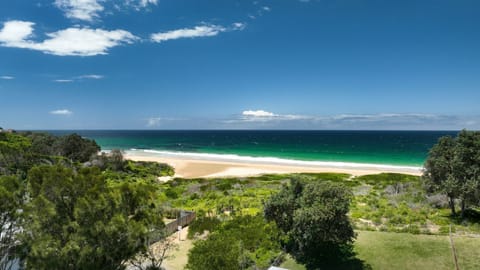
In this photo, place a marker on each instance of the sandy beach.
(187, 167)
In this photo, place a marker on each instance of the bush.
(202, 224)
(438, 200)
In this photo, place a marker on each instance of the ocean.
(396, 148)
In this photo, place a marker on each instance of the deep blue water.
(377, 147)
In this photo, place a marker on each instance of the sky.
(240, 64)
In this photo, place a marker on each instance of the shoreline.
(192, 165)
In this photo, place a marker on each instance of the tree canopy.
(314, 218)
(59, 210)
(453, 168)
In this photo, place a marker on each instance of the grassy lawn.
(384, 250)
(468, 252)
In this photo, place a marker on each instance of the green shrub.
(202, 224)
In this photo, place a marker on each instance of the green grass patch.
(384, 250)
(468, 252)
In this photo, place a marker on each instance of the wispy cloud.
(86, 10)
(67, 42)
(208, 30)
(145, 3)
(61, 112)
(153, 122)
(63, 81)
(263, 116)
(81, 78)
(7, 77)
(137, 4)
(91, 76)
(91, 10)
(266, 119)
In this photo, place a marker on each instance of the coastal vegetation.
(66, 206)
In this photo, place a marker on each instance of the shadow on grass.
(341, 259)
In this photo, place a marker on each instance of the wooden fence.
(186, 217)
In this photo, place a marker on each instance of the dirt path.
(179, 257)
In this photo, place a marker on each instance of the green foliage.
(11, 199)
(15, 155)
(76, 148)
(383, 180)
(202, 224)
(145, 169)
(219, 252)
(314, 216)
(240, 243)
(453, 168)
(76, 220)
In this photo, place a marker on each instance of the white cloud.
(238, 26)
(154, 121)
(265, 116)
(197, 31)
(138, 4)
(86, 10)
(266, 8)
(81, 77)
(163, 121)
(91, 76)
(67, 42)
(7, 77)
(414, 121)
(258, 113)
(144, 3)
(89, 10)
(61, 112)
(16, 32)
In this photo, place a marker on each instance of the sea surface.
(397, 148)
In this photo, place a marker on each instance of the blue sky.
(225, 64)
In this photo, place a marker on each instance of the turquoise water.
(408, 148)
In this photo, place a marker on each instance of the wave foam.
(272, 160)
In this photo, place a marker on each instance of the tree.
(11, 201)
(76, 148)
(15, 154)
(453, 168)
(440, 170)
(116, 160)
(77, 220)
(218, 252)
(468, 168)
(314, 217)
